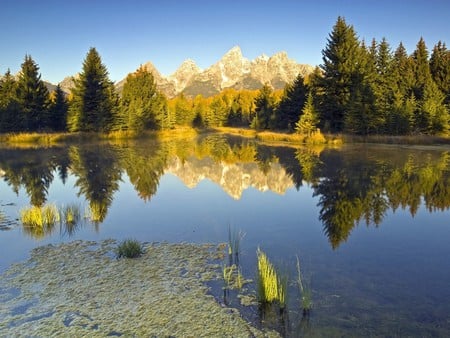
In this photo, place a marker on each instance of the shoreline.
(162, 293)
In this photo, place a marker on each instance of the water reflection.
(357, 184)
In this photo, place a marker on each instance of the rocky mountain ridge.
(233, 70)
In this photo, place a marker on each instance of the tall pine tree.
(264, 107)
(93, 107)
(293, 100)
(32, 96)
(440, 68)
(58, 110)
(341, 59)
(10, 117)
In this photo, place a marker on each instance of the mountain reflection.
(354, 184)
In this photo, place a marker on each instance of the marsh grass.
(234, 244)
(46, 216)
(39, 221)
(129, 248)
(70, 218)
(271, 286)
(305, 291)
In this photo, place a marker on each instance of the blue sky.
(58, 34)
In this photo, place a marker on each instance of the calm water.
(371, 224)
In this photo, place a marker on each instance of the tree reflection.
(144, 166)
(98, 174)
(30, 169)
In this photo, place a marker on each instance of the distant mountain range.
(233, 70)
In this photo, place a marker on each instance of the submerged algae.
(79, 289)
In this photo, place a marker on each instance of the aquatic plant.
(227, 272)
(305, 291)
(129, 248)
(270, 287)
(234, 244)
(71, 214)
(46, 216)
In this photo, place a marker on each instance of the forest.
(360, 88)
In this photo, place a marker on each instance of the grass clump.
(129, 248)
(46, 216)
(270, 286)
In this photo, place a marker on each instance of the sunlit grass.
(270, 286)
(129, 248)
(45, 216)
(39, 221)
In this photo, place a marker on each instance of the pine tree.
(32, 96)
(94, 99)
(440, 68)
(293, 100)
(58, 110)
(309, 119)
(264, 107)
(422, 72)
(142, 106)
(402, 71)
(341, 59)
(10, 117)
(435, 115)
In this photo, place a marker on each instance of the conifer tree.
(402, 71)
(10, 117)
(293, 100)
(94, 99)
(32, 96)
(264, 107)
(142, 106)
(440, 68)
(422, 72)
(341, 59)
(58, 110)
(309, 119)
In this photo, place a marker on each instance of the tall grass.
(46, 216)
(234, 244)
(305, 291)
(270, 286)
(70, 218)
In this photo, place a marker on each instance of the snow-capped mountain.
(233, 70)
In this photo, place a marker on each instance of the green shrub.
(129, 248)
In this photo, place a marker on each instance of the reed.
(305, 291)
(234, 244)
(129, 248)
(270, 287)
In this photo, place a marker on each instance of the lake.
(369, 223)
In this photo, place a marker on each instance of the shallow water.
(369, 223)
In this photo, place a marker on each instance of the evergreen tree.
(10, 117)
(440, 68)
(58, 110)
(94, 99)
(264, 107)
(218, 112)
(143, 106)
(184, 114)
(402, 71)
(435, 115)
(32, 96)
(341, 59)
(309, 119)
(293, 100)
(422, 72)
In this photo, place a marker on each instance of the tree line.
(358, 89)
